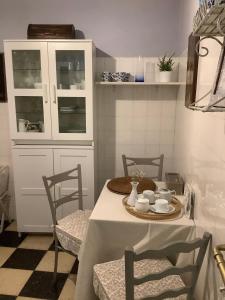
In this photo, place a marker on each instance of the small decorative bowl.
(121, 76)
(106, 76)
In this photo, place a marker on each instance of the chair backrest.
(135, 161)
(52, 181)
(173, 248)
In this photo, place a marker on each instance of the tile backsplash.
(134, 120)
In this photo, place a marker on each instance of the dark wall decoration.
(192, 70)
(3, 94)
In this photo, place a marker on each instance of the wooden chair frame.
(51, 182)
(4, 204)
(154, 161)
(171, 249)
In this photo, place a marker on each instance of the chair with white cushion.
(144, 161)
(150, 275)
(70, 230)
(4, 195)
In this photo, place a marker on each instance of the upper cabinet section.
(26, 68)
(50, 86)
(70, 68)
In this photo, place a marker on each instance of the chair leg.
(56, 261)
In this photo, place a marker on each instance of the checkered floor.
(26, 266)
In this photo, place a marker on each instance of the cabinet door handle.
(54, 94)
(46, 92)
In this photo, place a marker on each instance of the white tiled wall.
(136, 121)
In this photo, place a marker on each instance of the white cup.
(162, 205)
(150, 195)
(166, 194)
(142, 204)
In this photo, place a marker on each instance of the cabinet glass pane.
(26, 69)
(72, 114)
(70, 69)
(29, 114)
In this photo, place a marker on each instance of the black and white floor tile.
(26, 266)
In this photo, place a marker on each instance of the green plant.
(166, 63)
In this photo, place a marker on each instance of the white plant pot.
(165, 76)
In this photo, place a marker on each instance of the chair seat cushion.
(109, 279)
(71, 230)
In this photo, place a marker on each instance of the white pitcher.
(22, 125)
(133, 195)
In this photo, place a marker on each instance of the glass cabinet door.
(28, 82)
(71, 86)
(26, 69)
(29, 114)
(72, 114)
(70, 69)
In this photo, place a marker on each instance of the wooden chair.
(150, 275)
(4, 195)
(135, 161)
(70, 230)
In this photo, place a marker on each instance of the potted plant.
(166, 67)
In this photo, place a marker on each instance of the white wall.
(200, 158)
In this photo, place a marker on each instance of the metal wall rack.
(209, 23)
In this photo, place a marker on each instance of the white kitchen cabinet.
(50, 100)
(32, 207)
(50, 89)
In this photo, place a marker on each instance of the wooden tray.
(154, 216)
(121, 185)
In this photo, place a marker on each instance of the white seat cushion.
(109, 279)
(71, 230)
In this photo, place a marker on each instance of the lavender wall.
(118, 28)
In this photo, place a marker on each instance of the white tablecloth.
(111, 229)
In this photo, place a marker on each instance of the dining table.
(112, 228)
